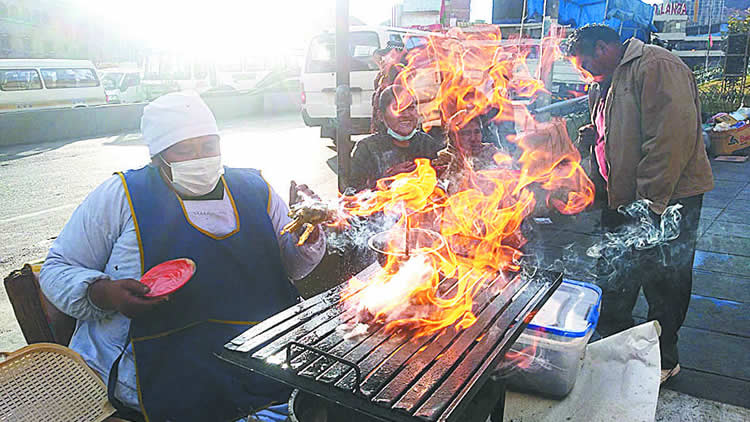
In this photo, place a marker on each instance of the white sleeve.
(80, 253)
(298, 261)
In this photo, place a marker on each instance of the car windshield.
(111, 80)
(321, 57)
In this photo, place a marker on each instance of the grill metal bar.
(439, 399)
(457, 406)
(270, 328)
(380, 342)
(411, 371)
(314, 330)
(381, 365)
(391, 376)
(408, 355)
(433, 377)
(341, 361)
(354, 349)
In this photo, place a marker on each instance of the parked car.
(45, 83)
(123, 85)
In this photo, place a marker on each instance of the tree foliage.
(739, 23)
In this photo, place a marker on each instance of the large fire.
(478, 226)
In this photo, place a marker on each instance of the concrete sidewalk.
(714, 341)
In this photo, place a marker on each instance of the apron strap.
(123, 411)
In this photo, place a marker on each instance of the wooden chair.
(40, 321)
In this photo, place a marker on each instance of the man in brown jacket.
(647, 144)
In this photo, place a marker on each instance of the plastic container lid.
(572, 311)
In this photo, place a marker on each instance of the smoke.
(647, 231)
(358, 231)
(392, 301)
(643, 239)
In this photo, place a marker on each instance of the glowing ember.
(479, 224)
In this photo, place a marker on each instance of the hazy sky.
(224, 25)
(221, 27)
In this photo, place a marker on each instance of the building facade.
(25, 29)
(671, 20)
(429, 13)
(675, 32)
(457, 12)
(58, 29)
(705, 12)
(421, 12)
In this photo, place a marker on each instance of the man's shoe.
(669, 373)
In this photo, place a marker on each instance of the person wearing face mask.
(396, 143)
(183, 204)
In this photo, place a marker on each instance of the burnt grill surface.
(393, 376)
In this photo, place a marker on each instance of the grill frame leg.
(498, 412)
(489, 403)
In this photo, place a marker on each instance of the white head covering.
(175, 117)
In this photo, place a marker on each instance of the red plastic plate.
(168, 277)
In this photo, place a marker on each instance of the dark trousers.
(664, 272)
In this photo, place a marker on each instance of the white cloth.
(213, 216)
(619, 381)
(175, 117)
(99, 241)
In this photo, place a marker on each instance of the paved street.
(42, 184)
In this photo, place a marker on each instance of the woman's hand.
(126, 296)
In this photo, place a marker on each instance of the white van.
(45, 83)
(122, 85)
(319, 75)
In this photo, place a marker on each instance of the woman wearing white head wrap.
(175, 117)
(183, 141)
(229, 224)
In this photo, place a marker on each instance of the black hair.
(390, 94)
(385, 97)
(583, 40)
(452, 132)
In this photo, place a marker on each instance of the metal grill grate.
(392, 376)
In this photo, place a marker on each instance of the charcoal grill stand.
(390, 376)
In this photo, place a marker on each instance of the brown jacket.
(654, 144)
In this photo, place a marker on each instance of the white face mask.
(196, 177)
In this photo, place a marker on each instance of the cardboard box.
(731, 142)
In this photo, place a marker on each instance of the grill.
(393, 376)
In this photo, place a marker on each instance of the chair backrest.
(40, 321)
(49, 382)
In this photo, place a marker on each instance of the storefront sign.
(670, 9)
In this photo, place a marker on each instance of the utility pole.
(708, 41)
(343, 95)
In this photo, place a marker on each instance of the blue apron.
(239, 281)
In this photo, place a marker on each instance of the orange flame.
(585, 74)
(428, 283)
